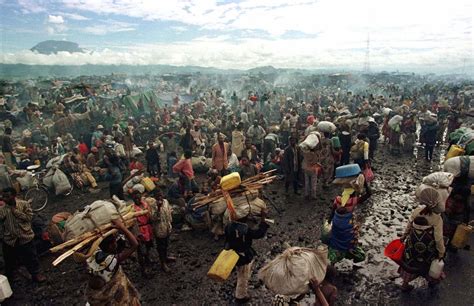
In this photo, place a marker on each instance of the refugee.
(343, 242)
(247, 169)
(161, 217)
(197, 136)
(256, 133)
(430, 137)
(294, 123)
(6, 174)
(312, 169)
(108, 284)
(184, 168)
(177, 193)
(408, 130)
(233, 165)
(97, 135)
(114, 176)
(172, 159)
(187, 142)
(326, 291)
(345, 138)
(219, 155)
(144, 232)
(135, 164)
(152, 158)
(291, 165)
(360, 151)
(424, 243)
(250, 152)
(92, 157)
(239, 237)
(117, 133)
(373, 134)
(238, 140)
(457, 208)
(327, 159)
(285, 130)
(16, 216)
(7, 148)
(119, 149)
(270, 143)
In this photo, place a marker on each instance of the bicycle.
(37, 193)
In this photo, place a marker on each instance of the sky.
(408, 35)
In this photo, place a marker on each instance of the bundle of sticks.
(252, 183)
(92, 238)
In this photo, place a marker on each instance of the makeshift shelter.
(141, 103)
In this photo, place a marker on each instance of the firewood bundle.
(250, 185)
(89, 242)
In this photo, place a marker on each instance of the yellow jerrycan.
(454, 151)
(230, 181)
(148, 184)
(223, 265)
(461, 236)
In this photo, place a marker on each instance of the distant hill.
(23, 71)
(263, 69)
(55, 46)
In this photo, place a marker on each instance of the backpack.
(357, 150)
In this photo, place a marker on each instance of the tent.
(141, 103)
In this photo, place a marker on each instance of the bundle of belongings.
(460, 166)
(86, 229)
(57, 180)
(311, 141)
(201, 164)
(140, 183)
(435, 190)
(290, 273)
(216, 207)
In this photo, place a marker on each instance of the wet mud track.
(373, 281)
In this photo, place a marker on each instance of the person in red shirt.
(144, 233)
(135, 164)
(184, 168)
(83, 149)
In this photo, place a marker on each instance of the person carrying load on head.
(424, 243)
(108, 284)
(239, 237)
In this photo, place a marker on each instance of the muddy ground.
(373, 281)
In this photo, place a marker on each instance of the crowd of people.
(190, 146)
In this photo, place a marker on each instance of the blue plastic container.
(348, 170)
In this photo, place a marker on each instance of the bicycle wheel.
(38, 197)
(71, 182)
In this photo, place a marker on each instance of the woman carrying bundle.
(423, 243)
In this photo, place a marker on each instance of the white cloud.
(74, 16)
(109, 26)
(32, 6)
(278, 16)
(403, 33)
(55, 25)
(300, 53)
(55, 19)
(179, 29)
(334, 23)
